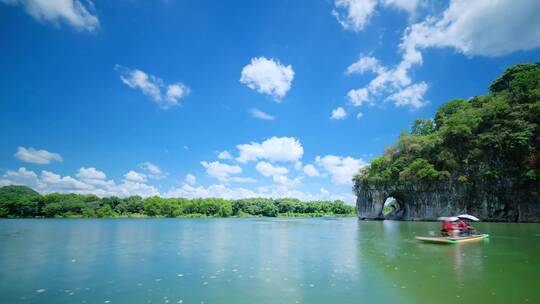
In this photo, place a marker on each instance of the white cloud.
(481, 27)
(166, 96)
(88, 181)
(359, 115)
(256, 113)
(355, 14)
(338, 114)
(310, 170)
(220, 171)
(268, 169)
(298, 166)
(41, 157)
(342, 169)
(22, 176)
(273, 149)
(242, 180)
(190, 179)
(224, 155)
(412, 96)
(364, 64)
(268, 76)
(358, 97)
(90, 174)
(222, 191)
(153, 170)
(73, 12)
(219, 191)
(133, 176)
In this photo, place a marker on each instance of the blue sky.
(144, 97)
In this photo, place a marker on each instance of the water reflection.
(261, 261)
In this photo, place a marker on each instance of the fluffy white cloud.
(41, 157)
(166, 96)
(88, 181)
(242, 180)
(190, 179)
(358, 97)
(219, 191)
(153, 171)
(470, 27)
(481, 27)
(342, 169)
(268, 76)
(273, 149)
(338, 114)
(310, 170)
(73, 12)
(137, 177)
(256, 113)
(224, 155)
(412, 96)
(90, 174)
(268, 169)
(220, 171)
(359, 115)
(22, 176)
(355, 14)
(222, 191)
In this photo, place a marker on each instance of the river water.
(262, 261)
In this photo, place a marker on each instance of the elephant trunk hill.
(478, 156)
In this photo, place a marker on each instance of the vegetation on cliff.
(21, 201)
(486, 138)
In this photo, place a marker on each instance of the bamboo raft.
(452, 240)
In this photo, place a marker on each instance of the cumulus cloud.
(153, 170)
(470, 27)
(274, 149)
(268, 169)
(137, 177)
(338, 114)
(355, 14)
(222, 191)
(220, 171)
(341, 169)
(412, 96)
(256, 113)
(87, 181)
(268, 76)
(225, 155)
(359, 115)
(190, 179)
(40, 157)
(358, 97)
(73, 12)
(165, 96)
(310, 170)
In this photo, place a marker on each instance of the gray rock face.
(493, 201)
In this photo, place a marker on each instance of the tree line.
(21, 201)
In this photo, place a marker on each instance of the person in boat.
(449, 229)
(465, 228)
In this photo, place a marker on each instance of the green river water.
(262, 261)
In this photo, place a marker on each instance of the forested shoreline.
(24, 202)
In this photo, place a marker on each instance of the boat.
(452, 240)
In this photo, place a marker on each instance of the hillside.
(479, 155)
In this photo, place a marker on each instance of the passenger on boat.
(465, 228)
(449, 229)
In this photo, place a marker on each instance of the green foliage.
(20, 201)
(490, 136)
